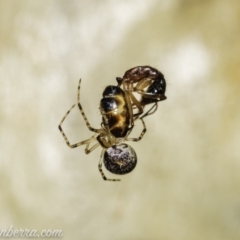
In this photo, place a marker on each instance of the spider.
(117, 124)
(148, 82)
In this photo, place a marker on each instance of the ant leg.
(128, 101)
(88, 141)
(152, 110)
(83, 114)
(136, 103)
(141, 135)
(101, 171)
(145, 82)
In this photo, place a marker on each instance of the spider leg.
(88, 150)
(101, 171)
(88, 141)
(141, 135)
(83, 114)
(65, 116)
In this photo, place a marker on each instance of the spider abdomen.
(120, 159)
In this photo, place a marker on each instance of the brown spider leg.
(101, 171)
(88, 141)
(141, 135)
(83, 114)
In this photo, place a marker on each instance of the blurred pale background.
(186, 184)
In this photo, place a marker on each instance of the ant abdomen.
(115, 112)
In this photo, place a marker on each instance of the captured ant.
(117, 124)
(148, 82)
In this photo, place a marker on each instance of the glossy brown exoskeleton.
(146, 81)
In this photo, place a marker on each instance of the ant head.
(158, 86)
(155, 92)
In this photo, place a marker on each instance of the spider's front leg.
(83, 114)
